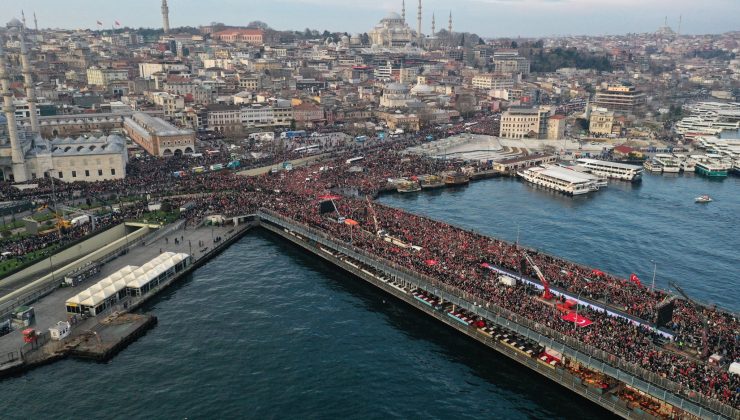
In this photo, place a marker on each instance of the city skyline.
(488, 18)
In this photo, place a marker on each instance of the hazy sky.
(491, 18)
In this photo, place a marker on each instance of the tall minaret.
(449, 29)
(17, 159)
(165, 17)
(28, 82)
(35, 22)
(403, 10)
(418, 23)
(23, 19)
(433, 29)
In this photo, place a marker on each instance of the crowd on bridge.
(456, 257)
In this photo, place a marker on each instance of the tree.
(514, 45)
(256, 24)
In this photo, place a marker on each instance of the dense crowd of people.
(456, 257)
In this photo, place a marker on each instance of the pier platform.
(100, 337)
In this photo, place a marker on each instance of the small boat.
(456, 178)
(431, 181)
(703, 199)
(407, 186)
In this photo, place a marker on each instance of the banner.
(581, 321)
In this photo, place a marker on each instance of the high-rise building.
(510, 62)
(620, 98)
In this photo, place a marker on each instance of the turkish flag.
(635, 279)
(581, 321)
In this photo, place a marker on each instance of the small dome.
(14, 23)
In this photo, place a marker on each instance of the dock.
(101, 337)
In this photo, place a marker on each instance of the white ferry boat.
(669, 163)
(688, 164)
(653, 166)
(559, 179)
(712, 169)
(613, 170)
(600, 180)
(736, 167)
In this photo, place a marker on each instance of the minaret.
(165, 17)
(418, 23)
(403, 10)
(17, 159)
(449, 29)
(680, 17)
(23, 19)
(433, 29)
(35, 22)
(28, 82)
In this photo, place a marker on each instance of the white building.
(395, 95)
(392, 31)
(103, 77)
(492, 81)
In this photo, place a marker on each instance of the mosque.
(393, 31)
(25, 155)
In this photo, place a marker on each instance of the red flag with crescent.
(579, 320)
(635, 279)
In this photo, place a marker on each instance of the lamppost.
(655, 268)
(51, 264)
(575, 320)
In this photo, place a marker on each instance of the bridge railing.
(608, 363)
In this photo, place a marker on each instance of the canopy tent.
(129, 276)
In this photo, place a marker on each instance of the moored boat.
(613, 170)
(431, 181)
(653, 166)
(407, 186)
(711, 169)
(456, 178)
(559, 179)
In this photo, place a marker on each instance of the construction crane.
(378, 230)
(704, 321)
(547, 295)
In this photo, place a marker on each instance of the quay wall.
(636, 377)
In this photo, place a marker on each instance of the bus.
(198, 169)
(355, 159)
(292, 134)
(361, 139)
(234, 164)
(307, 149)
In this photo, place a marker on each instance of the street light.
(655, 268)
